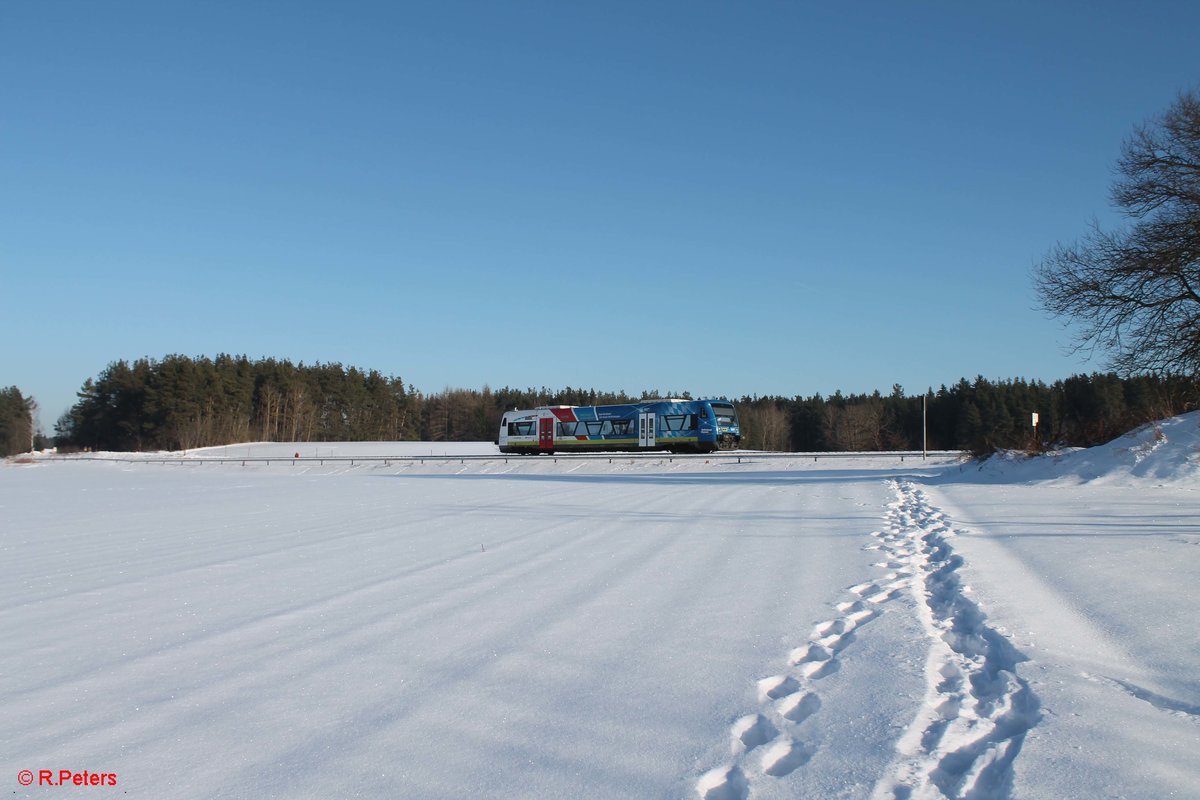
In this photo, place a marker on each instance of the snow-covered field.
(645, 628)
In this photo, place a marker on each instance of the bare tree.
(1134, 293)
(771, 430)
(861, 426)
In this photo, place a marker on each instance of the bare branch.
(1133, 293)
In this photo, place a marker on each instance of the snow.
(1166, 452)
(605, 628)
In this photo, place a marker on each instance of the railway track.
(734, 456)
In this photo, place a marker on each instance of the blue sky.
(724, 198)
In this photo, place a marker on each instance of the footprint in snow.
(751, 731)
(799, 706)
(784, 756)
(723, 783)
(816, 670)
(865, 588)
(776, 686)
(811, 652)
(836, 642)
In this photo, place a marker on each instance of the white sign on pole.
(1035, 419)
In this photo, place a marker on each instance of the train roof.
(642, 402)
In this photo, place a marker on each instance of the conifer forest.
(180, 402)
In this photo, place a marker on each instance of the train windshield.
(725, 414)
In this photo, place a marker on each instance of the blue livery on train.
(681, 426)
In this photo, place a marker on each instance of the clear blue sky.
(725, 198)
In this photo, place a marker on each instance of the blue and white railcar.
(681, 426)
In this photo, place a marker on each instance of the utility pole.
(924, 428)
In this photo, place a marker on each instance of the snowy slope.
(1166, 452)
(863, 628)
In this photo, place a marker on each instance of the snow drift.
(1165, 452)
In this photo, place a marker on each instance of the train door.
(646, 425)
(546, 433)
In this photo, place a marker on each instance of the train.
(680, 426)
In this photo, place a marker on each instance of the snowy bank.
(1164, 453)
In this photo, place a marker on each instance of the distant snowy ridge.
(1164, 452)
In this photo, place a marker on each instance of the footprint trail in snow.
(769, 744)
(972, 723)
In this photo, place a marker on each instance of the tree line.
(181, 403)
(979, 416)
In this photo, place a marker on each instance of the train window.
(594, 428)
(621, 426)
(567, 428)
(520, 429)
(725, 414)
(679, 422)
